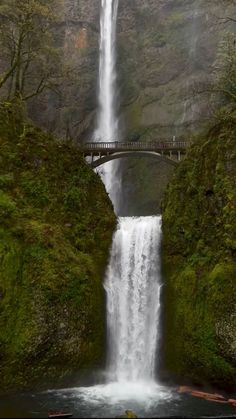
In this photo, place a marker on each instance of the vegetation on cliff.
(199, 254)
(31, 61)
(55, 232)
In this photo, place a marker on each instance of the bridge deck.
(106, 147)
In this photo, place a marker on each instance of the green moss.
(175, 19)
(7, 205)
(6, 180)
(135, 111)
(199, 233)
(56, 229)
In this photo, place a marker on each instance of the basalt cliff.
(166, 50)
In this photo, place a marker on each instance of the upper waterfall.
(107, 124)
(107, 120)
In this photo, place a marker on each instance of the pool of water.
(111, 400)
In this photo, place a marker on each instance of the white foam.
(142, 392)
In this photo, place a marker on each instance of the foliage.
(225, 70)
(56, 224)
(199, 238)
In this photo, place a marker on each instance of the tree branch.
(40, 88)
(217, 90)
(8, 74)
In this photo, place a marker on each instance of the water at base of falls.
(111, 400)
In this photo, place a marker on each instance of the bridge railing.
(154, 145)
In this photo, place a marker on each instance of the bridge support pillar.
(179, 155)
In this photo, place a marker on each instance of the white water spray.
(133, 286)
(107, 128)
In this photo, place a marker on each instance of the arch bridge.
(101, 152)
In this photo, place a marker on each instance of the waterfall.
(133, 284)
(107, 124)
(133, 275)
(107, 129)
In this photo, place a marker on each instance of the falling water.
(133, 275)
(107, 126)
(133, 286)
(107, 121)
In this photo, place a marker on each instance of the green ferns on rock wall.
(55, 232)
(199, 253)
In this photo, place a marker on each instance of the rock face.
(164, 48)
(77, 34)
(199, 251)
(56, 230)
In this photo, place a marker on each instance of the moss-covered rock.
(128, 414)
(55, 232)
(199, 233)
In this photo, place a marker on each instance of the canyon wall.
(164, 50)
(55, 234)
(199, 255)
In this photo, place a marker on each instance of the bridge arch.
(117, 155)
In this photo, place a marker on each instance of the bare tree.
(228, 5)
(31, 63)
(220, 89)
(226, 68)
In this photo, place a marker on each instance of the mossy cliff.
(199, 256)
(55, 232)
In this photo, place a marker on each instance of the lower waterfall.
(133, 284)
(131, 380)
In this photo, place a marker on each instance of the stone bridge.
(102, 152)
